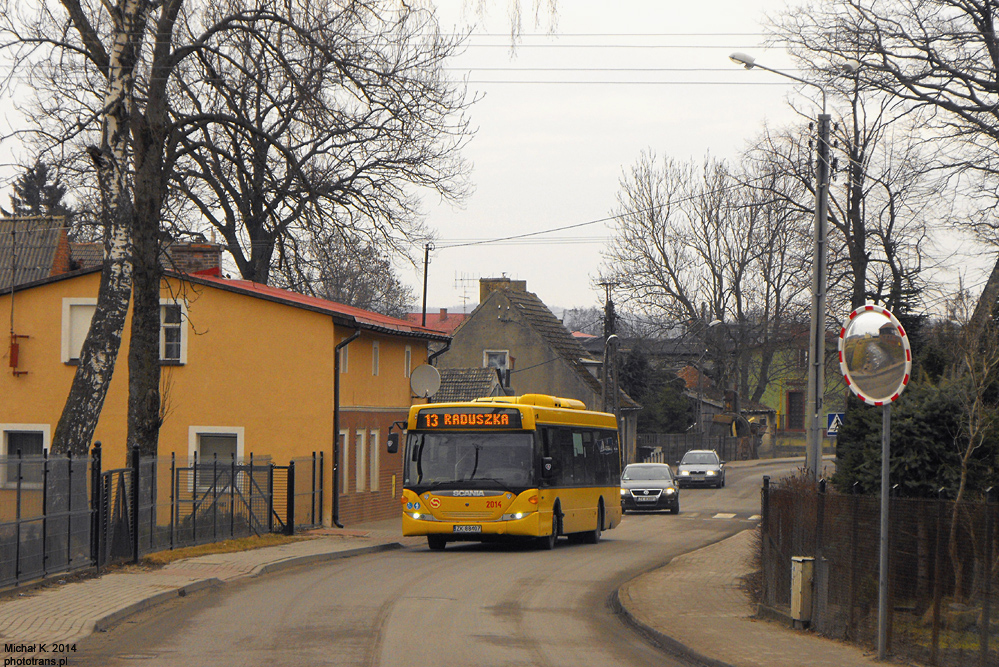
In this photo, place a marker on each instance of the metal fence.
(62, 514)
(670, 447)
(943, 574)
(45, 517)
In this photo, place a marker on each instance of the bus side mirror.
(547, 470)
(393, 443)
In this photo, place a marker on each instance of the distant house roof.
(442, 321)
(87, 255)
(466, 384)
(558, 338)
(32, 249)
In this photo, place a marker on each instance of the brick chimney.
(489, 285)
(194, 258)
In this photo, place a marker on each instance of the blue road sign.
(833, 421)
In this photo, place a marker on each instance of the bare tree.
(347, 270)
(335, 142)
(692, 245)
(110, 80)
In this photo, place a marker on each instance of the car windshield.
(698, 458)
(646, 473)
(470, 460)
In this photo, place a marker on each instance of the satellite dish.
(425, 380)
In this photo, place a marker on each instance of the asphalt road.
(473, 604)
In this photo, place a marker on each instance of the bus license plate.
(467, 529)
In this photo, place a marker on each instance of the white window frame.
(66, 354)
(193, 441)
(373, 444)
(44, 429)
(360, 448)
(375, 353)
(408, 361)
(183, 331)
(506, 360)
(345, 460)
(67, 307)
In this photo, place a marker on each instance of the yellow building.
(246, 368)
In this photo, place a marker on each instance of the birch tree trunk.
(78, 421)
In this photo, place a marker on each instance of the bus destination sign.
(472, 418)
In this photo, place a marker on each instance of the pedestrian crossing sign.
(833, 421)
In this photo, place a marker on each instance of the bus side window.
(565, 457)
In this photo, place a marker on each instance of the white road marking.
(755, 517)
(723, 515)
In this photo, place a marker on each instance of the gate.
(115, 514)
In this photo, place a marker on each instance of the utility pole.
(611, 393)
(426, 265)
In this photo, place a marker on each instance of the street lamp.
(817, 329)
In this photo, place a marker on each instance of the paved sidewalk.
(70, 612)
(695, 604)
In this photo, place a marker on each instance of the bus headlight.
(422, 517)
(514, 516)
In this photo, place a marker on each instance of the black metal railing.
(943, 572)
(61, 514)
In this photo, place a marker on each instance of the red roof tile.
(361, 316)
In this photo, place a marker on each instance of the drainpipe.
(430, 359)
(336, 425)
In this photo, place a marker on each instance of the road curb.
(295, 561)
(106, 622)
(658, 639)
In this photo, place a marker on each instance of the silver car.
(649, 486)
(701, 467)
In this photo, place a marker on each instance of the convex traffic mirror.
(874, 355)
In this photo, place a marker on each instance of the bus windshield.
(470, 460)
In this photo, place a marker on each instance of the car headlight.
(670, 491)
(711, 473)
(624, 492)
(684, 472)
(421, 516)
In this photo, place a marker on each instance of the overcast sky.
(564, 114)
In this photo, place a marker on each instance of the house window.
(407, 366)
(374, 357)
(795, 410)
(361, 459)
(76, 316)
(345, 460)
(497, 359)
(215, 448)
(373, 458)
(32, 440)
(802, 358)
(171, 333)
(78, 313)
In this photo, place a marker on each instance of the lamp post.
(817, 329)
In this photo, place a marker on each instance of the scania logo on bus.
(468, 493)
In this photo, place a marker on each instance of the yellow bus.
(506, 467)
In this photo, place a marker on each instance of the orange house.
(246, 368)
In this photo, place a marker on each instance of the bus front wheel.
(436, 542)
(547, 542)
